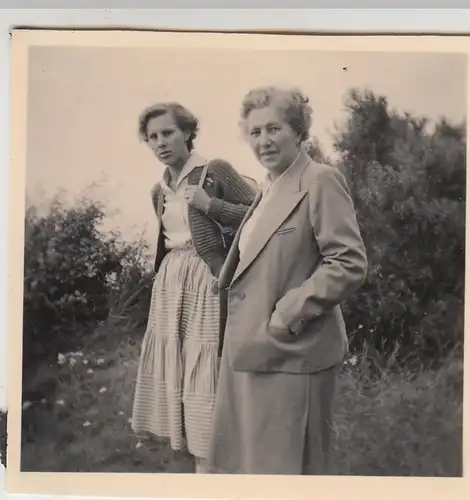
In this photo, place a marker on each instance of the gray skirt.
(272, 423)
(178, 370)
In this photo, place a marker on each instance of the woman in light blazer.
(296, 256)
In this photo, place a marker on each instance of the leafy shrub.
(408, 183)
(74, 277)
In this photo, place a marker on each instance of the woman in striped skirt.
(178, 370)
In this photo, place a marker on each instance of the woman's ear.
(187, 136)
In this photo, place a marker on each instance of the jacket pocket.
(283, 335)
(285, 230)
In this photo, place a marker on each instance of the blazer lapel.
(290, 195)
(274, 217)
(231, 262)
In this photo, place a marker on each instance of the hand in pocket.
(279, 329)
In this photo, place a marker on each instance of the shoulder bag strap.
(202, 179)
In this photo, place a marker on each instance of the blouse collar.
(194, 161)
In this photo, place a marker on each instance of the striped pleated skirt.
(178, 370)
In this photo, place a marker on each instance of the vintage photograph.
(244, 261)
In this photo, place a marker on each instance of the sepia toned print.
(253, 270)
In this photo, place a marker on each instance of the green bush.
(75, 277)
(407, 179)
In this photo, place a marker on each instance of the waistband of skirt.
(189, 245)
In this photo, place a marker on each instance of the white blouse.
(175, 219)
(268, 190)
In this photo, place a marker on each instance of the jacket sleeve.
(235, 198)
(343, 266)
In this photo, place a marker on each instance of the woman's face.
(167, 140)
(272, 139)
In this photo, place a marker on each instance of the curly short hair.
(184, 120)
(294, 104)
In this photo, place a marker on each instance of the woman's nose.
(264, 139)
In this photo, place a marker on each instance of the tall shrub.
(408, 182)
(71, 270)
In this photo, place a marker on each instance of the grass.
(399, 425)
(402, 424)
(85, 427)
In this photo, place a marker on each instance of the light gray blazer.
(306, 257)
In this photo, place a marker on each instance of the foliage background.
(87, 291)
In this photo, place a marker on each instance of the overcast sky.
(83, 105)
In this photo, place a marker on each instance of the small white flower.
(138, 445)
(360, 327)
(86, 424)
(121, 413)
(129, 421)
(72, 361)
(89, 371)
(43, 401)
(85, 361)
(103, 390)
(60, 402)
(27, 404)
(353, 360)
(60, 359)
(100, 361)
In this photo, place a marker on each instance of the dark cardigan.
(231, 196)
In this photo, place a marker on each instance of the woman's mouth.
(164, 154)
(268, 154)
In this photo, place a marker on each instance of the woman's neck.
(176, 168)
(274, 174)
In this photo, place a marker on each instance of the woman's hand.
(278, 328)
(276, 321)
(197, 198)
